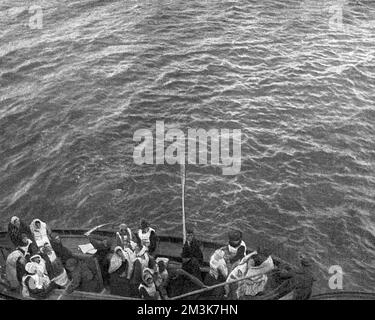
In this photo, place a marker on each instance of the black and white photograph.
(187, 156)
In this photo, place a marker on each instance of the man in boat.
(192, 256)
(124, 236)
(40, 231)
(104, 247)
(16, 228)
(147, 236)
(303, 279)
(62, 252)
(82, 278)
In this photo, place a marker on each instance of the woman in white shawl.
(254, 267)
(41, 232)
(218, 274)
(11, 268)
(119, 257)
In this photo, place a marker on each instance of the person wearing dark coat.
(16, 228)
(119, 284)
(28, 248)
(82, 278)
(62, 252)
(192, 256)
(103, 246)
(303, 279)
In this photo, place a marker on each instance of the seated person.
(16, 228)
(54, 266)
(147, 236)
(82, 278)
(161, 278)
(39, 264)
(235, 250)
(124, 236)
(103, 245)
(192, 256)
(40, 231)
(218, 274)
(62, 252)
(255, 267)
(120, 271)
(147, 289)
(141, 262)
(34, 283)
(28, 247)
(13, 268)
(303, 279)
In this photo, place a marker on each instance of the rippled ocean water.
(73, 93)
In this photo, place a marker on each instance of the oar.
(210, 288)
(95, 228)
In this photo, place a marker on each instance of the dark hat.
(189, 230)
(144, 224)
(234, 236)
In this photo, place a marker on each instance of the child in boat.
(147, 289)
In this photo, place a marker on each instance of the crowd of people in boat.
(127, 265)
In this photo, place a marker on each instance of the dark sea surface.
(73, 93)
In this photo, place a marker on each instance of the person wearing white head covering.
(255, 267)
(147, 289)
(35, 284)
(41, 232)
